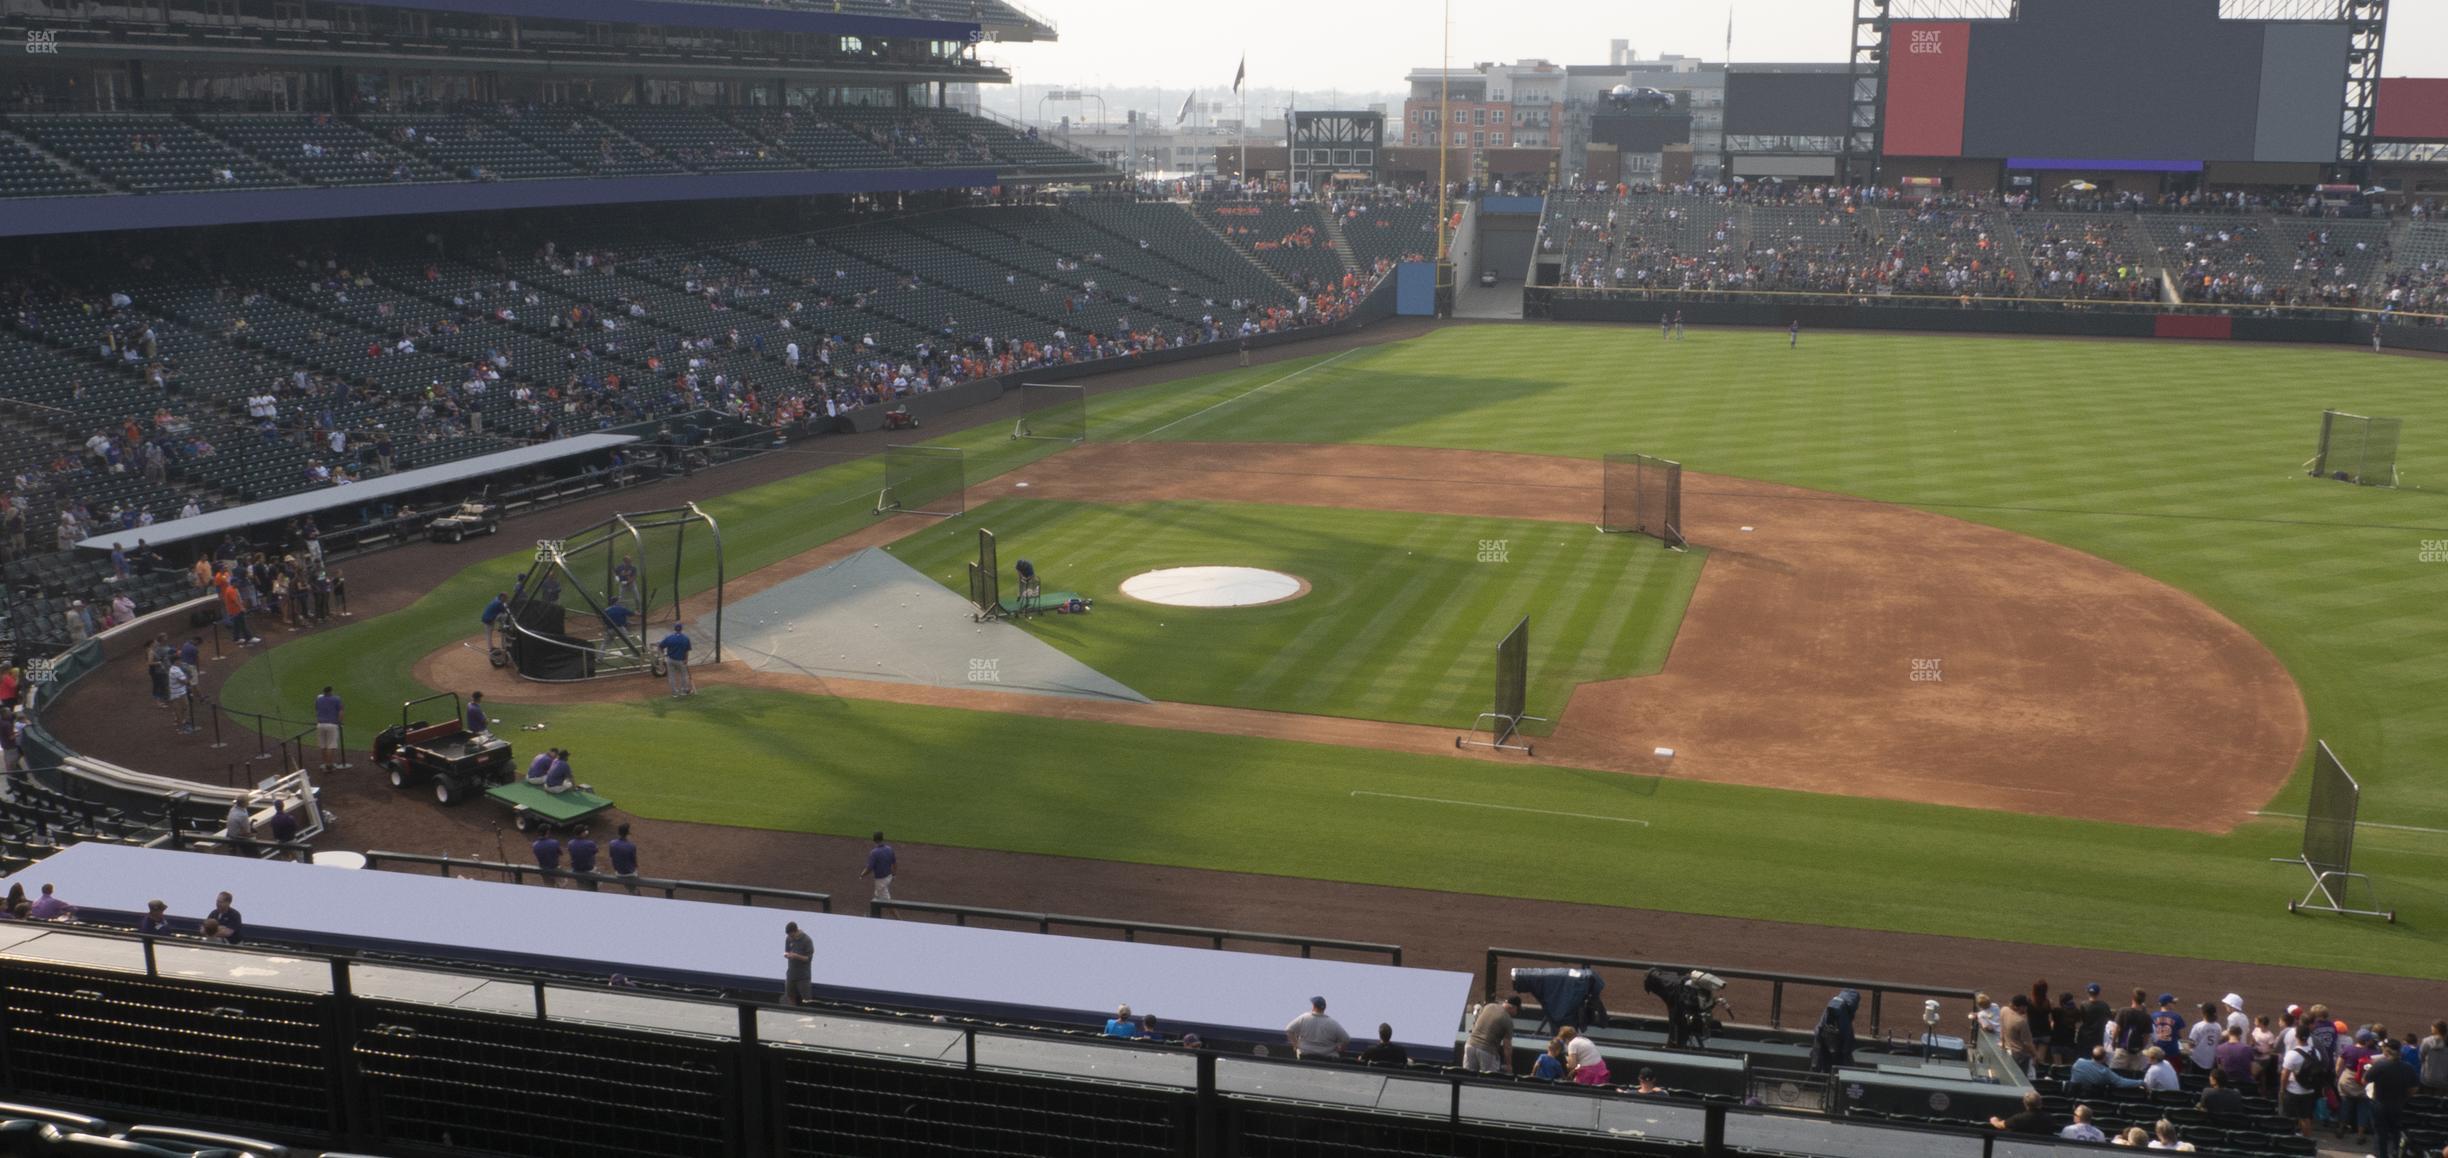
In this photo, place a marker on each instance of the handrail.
(1130, 930)
(1777, 981)
(518, 874)
(1202, 1084)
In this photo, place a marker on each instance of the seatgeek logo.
(1930, 43)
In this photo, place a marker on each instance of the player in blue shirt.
(675, 649)
(492, 617)
(477, 722)
(617, 615)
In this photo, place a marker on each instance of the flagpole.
(1444, 126)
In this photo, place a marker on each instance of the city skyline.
(1371, 45)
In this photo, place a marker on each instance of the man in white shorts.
(327, 727)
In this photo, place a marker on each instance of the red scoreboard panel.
(1928, 63)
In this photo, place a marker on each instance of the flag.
(1242, 73)
(1184, 114)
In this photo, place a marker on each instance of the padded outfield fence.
(1643, 495)
(924, 480)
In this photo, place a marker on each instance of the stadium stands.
(1989, 248)
(25, 172)
(2083, 257)
(148, 152)
(1936, 250)
(1389, 231)
(166, 153)
(141, 384)
(1289, 239)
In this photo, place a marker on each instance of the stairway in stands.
(1281, 282)
(1337, 241)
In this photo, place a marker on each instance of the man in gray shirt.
(1491, 1038)
(798, 952)
(1315, 1036)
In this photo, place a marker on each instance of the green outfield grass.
(2179, 460)
(1400, 624)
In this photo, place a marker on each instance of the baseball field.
(1987, 637)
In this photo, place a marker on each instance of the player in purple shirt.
(581, 849)
(476, 721)
(624, 859)
(881, 861)
(547, 851)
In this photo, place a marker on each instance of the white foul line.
(1505, 807)
(2362, 823)
(1242, 395)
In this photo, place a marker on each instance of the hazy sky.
(1370, 44)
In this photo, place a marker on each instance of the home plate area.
(873, 617)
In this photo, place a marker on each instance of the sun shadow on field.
(1629, 785)
(1322, 408)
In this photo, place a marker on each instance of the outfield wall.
(2109, 320)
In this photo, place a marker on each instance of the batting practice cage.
(2357, 449)
(1503, 725)
(593, 605)
(2328, 840)
(985, 582)
(923, 480)
(1052, 413)
(1644, 496)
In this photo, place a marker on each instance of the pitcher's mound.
(1213, 587)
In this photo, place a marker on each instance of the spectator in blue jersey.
(2168, 1029)
(477, 722)
(547, 850)
(581, 850)
(1123, 1025)
(327, 726)
(675, 649)
(624, 859)
(156, 920)
(881, 862)
(492, 617)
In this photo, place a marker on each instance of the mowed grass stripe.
(2040, 437)
(2066, 440)
(1400, 626)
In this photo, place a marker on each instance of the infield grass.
(2178, 460)
(1400, 624)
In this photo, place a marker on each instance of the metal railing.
(519, 873)
(1875, 991)
(1132, 930)
(1222, 1108)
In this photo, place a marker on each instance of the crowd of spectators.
(2305, 1064)
(1977, 246)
